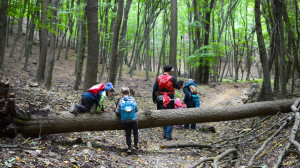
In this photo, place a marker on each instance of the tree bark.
(51, 58)
(46, 122)
(80, 54)
(17, 36)
(291, 36)
(93, 45)
(266, 91)
(71, 24)
(3, 28)
(29, 42)
(114, 53)
(173, 37)
(206, 41)
(123, 37)
(279, 42)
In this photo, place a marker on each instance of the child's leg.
(127, 129)
(135, 133)
(85, 105)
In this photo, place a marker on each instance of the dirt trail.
(225, 94)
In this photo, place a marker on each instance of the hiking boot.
(74, 108)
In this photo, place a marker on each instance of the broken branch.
(217, 158)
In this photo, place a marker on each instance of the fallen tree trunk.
(43, 123)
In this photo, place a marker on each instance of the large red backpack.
(164, 81)
(96, 88)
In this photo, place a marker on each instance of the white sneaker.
(74, 108)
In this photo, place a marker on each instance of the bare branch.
(187, 145)
(217, 158)
(250, 163)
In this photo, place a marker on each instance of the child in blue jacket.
(126, 109)
(191, 99)
(94, 97)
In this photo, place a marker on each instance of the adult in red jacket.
(163, 94)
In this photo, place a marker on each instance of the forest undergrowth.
(108, 149)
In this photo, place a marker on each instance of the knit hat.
(109, 87)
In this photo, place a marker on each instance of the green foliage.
(243, 81)
(208, 54)
(178, 95)
(196, 24)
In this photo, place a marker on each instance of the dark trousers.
(166, 129)
(190, 104)
(128, 127)
(85, 105)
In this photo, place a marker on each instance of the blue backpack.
(128, 110)
(196, 100)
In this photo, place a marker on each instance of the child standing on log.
(126, 109)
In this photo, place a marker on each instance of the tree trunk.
(78, 32)
(90, 78)
(173, 37)
(46, 122)
(62, 42)
(29, 42)
(43, 35)
(123, 37)
(266, 91)
(16, 37)
(51, 58)
(291, 37)
(80, 54)
(197, 44)
(206, 41)
(3, 28)
(71, 24)
(114, 53)
(279, 42)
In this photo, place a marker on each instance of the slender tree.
(114, 53)
(80, 55)
(70, 24)
(123, 36)
(43, 44)
(173, 37)
(3, 29)
(279, 42)
(206, 40)
(51, 58)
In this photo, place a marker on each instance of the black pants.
(87, 105)
(128, 127)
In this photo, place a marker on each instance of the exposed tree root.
(216, 159)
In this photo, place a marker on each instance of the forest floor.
(107, 148)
